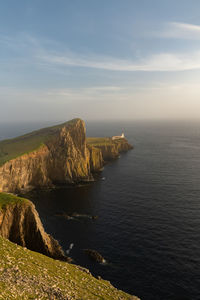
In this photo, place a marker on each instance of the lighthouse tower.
(118, 137)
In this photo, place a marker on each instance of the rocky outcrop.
(96, 159)
(20, 223)
(63, 157)
(112, 151)
(94, 255)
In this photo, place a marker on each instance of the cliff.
(55, 155)
(46, 157)
(96, 159)
(110, 149)
(20, 223)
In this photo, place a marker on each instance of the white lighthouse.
(117, 137)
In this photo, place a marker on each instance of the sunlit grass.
(12, 148)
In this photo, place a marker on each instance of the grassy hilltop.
(7, 199)
(99, 141)
(12, 148)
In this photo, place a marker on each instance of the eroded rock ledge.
(54, 155)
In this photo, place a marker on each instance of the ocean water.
(148, 208)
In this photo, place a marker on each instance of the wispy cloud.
(158, 62)
(52, 56)
(179, 30)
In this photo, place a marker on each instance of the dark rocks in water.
(85, 216)
(76, 216)
(94, 255)
(64, 215)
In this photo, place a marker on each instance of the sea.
(146, 206)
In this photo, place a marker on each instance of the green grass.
(12, 148)
(7, 199)
(103, 141)
(26, 274)
(99, 141)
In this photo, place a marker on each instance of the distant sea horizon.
(148, 208)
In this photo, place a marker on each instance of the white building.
(116, 137)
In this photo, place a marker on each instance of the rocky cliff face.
(113, 150)
(96, 159)
(64, 157)
(20, 223)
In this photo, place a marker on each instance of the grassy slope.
(25, 274)
(6, 199)
(99, 141)
(13, 148)
(104, 141)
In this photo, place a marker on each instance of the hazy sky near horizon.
(99, 59)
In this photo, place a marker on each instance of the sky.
(99, 59)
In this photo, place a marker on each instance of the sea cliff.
(20, 223)
(30, 275)
(110, 149)
(55, 155)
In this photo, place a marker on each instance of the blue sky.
(99, 59)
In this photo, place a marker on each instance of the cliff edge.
(55, 155)
(30, 275)
(110, 149)
(46, 157)
(20, 223)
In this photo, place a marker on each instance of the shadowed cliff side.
(96, 159)
(20, 223)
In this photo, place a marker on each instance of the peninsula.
(55, 155)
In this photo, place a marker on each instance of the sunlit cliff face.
(63, 156)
